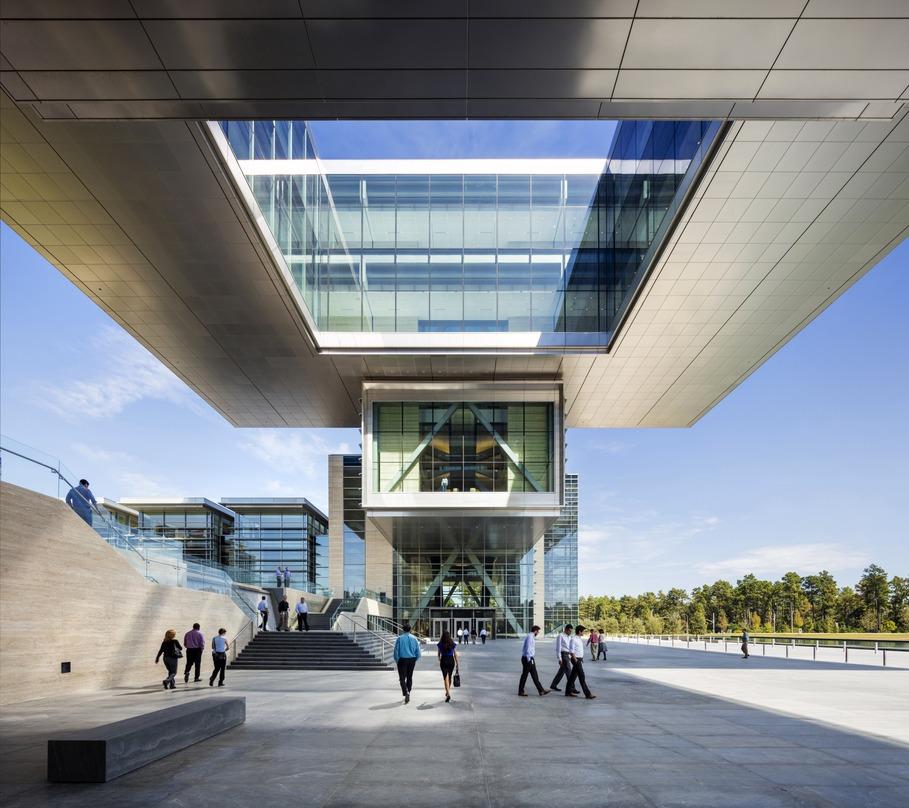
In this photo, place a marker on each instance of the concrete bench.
(103, 753)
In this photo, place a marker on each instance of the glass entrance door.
(440, 624)
(464, 623)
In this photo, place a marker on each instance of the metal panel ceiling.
(788, 216)
(487, 59)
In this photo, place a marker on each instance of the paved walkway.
(670, 728)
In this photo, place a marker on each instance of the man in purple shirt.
(193, 642)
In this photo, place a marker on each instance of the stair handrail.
(93, 506)
(122, 536)
(396, 628)
(355, 619)
(249, 624)
(343, 606)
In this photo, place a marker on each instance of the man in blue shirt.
(528, 663)
(407, 652)
(80, 499)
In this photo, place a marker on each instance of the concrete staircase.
(319, 621)
(306, 650)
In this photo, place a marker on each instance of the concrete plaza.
(670, 728)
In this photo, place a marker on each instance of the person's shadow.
(398, 703)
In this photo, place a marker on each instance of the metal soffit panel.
(497, 58)
(172, 258)
(789, 214)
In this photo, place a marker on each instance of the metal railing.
(356, 626)
(379, 623)
(159, 560)
(781, 647)
(346, 605)
(247, 634)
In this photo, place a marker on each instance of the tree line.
(794, 603)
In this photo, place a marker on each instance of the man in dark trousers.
(528, 663)
(563, 655)
(577, 665)
(302, 615)
(745, 641)
(263, 611)
(407, 652)
(283, 610)
(194, 643)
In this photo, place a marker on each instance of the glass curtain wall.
(354, 527)
(462, 446)
(560, 567)
(434, 577)
(285, 537)
(201, 531)
(549, 253)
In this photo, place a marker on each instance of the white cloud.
(775, 560)
(117, 372)
(625, 542)
(137, 484)
(280, 489)
(98, 455)
(291, 451)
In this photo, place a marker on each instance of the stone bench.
(102, 753)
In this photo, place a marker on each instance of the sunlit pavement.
(668, 728)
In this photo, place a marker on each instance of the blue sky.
(338, 140)
(802, 467)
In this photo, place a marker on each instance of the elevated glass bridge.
(549, 249)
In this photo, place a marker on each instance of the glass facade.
(544, 250)
(449, 571)
(249, 539)
(560, 568)
(354, 527)
(206, 535)
(484, 581)
(285, 535)
(462, 446)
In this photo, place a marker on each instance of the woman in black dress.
(448, 661)
(171, 650)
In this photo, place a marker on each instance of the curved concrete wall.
(67, 596)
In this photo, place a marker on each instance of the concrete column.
(379, 560)
(336, 524)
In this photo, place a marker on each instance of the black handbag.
(456, 679)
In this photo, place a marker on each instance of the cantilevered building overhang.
(112, 170)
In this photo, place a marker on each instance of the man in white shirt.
(577, 666)
(528, 663)
(302, 615)
(279, 577)
(460, 636)
(563, 657)
(263, 611)
(483, 635)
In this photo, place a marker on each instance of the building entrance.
(453, 619)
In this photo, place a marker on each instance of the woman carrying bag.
(171, 650)
(448, 662)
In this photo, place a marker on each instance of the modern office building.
(249, 537)
(445, 570)
(461, 313)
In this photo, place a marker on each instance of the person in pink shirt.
(593, 642)
(193, 642)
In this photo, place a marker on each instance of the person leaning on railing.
(80, 499)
